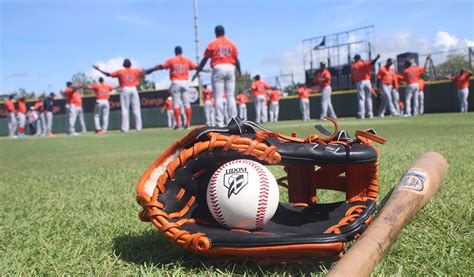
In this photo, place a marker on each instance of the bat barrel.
(417, 186)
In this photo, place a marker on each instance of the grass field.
(68, 203)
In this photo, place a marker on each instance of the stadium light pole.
(196, 34)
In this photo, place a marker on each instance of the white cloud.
(288, 62)
(110, 65)
(469, 43)
(445, 40)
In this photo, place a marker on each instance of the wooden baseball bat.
(417, 186)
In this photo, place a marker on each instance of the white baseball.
(242, 194)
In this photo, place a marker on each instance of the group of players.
(220, 103)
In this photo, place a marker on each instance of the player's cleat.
(21, 136)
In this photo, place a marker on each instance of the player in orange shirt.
(208, 105)
(421, 96)
(386, 77)
(411, 76)
(259, 89)
(462, 84)
(360, 73)
(76, 112)
(21, 117)
(129, 79)
(168, 106)
(224, 61)
(41, 123)
(242, 100)
(67, 95)
(179, 67)
(323, 79)
(11, 115)
(274, 95)
(303, 94)
(102, 106)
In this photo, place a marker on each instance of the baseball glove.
(172, 192)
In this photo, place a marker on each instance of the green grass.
(68, 203)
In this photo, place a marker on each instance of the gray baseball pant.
(304, 108)
(388, 101)
(12, 124)
(243, 111)
(129, 96)
(101, 109)
(208, 112)
(463, 94)
(49, 122)
(259, 103)
(411, 93)
(274, 111)
(364, 96)
(326, 103)
(223, 81)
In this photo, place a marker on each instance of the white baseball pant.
(101, 109)
(243, 111)
(49, 122)
(259, 103)
(41, 125)
(396, 100)
(421, 102)
(12, 124)
(411, 93)
(76, 112)
(364, 97)
(274, 111)
(178, 90)
(223, 81)
(67, 108)
(129, 96)
(171, 119)
(326, 103)
(387, 101)
(463, 94)
(304, 108)
(21, 120)
(208, 112)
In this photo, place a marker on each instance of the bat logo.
(235, 179)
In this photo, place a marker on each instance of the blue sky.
(44, 42)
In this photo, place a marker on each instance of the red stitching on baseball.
(214, 201)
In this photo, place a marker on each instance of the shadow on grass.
(151, 248)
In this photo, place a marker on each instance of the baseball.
(242, 194)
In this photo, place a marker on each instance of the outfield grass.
(68, 203)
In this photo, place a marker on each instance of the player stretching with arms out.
(129, 79)
(360, 72)
(411, 75)
(323, 79)
(224, 61)
(102, 106)
(179, 67)
(462, 84)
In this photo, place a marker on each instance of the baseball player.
(224, 61)
(323, 79)
(421, 96)
(11, 115)
(102, 106)
(462, 84)
(360, 72)
(75, 109)
(275, 95)
(265, 108)
(41, 122)
(411, 76)
(168, 106)
(48, 105)
(303, 94)
(259, 89)
(395, 94)
(208, 105)
(242, 100)
(67, 103)
(386, 77)
(129, 79)
(21, 117)
(179, 67)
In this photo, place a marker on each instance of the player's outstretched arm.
(101, 71)
(375, 60)
(148, 71)
(200, 67)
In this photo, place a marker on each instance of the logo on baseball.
(242, 194)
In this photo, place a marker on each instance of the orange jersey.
(102, 91)
(412, 74)
(22, 107)
(128, 77)
(275, 95)
(360, 70)
(386, 75)
(207, 94)
(68, 94)
(179, 67)
(421, 84)
(168, 105)
(242, 99)
(320, 78)
(259, 87)
(39, 105)
(461, 81)
(10, 107)
(221, 51)
(304, 93)
(396, 79)
(76, 99)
